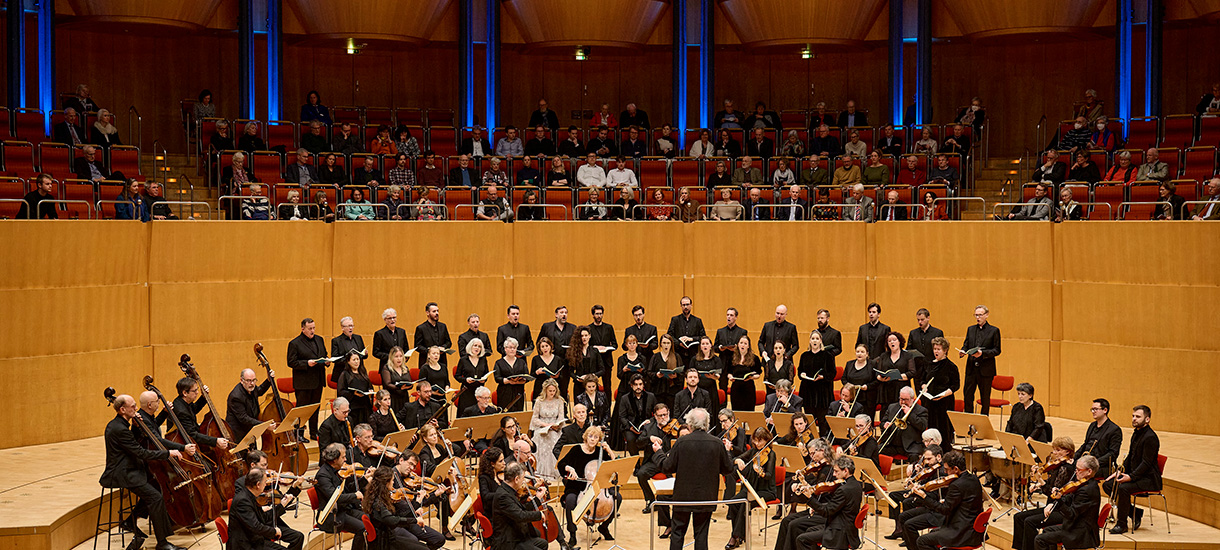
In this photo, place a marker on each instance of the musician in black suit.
(345, 516)
(1079, 510)
(980, 367)
(864, 445)
(1140, 469)
(242, 411)
(335, 429)
(779, 329)
(832, 339)
(416, 413)
(126, 468)
(1103, 438)
(652, 439)
(636, 408)
(907, 441)
(645, 334)
(686, 329)
(560, 332)
(431, 332)
(782, 400)
(308, 374)
(873, 333)
(798, 523)
(187, 407)
(514, 328)
(960, 505)
(252, 527)
(512, 525)
(920, 339)
(574, 432)
(346, 342)
(389, 336)
(943, 379)
(696, 461)
(840, 510)
(691, 396)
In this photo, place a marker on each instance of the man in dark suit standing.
(839, 531)
(126, 468)
(920, 339)
(696, 461)
(646, 337)
(832, 339)
(308, 373)
(873, 333)
(960, 505)
(432, 332)
(346, 342)
(980, 367)
(907, 441)
(389, 336)
(687, 329)
(779, 329)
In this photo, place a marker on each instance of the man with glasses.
(1103, 439)
(242, 411)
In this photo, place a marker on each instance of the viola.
(349, 470)
(285, 451)
(671, 427)
(827, 487)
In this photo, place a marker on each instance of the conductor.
(696, 461)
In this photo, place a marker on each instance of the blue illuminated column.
(679, 69)
(466, 59)
(1122, 60)
(275, 57)
(46, 61)
(707, 62)
(16, 54)
(245, 58)
(493, 63)
(896, 96)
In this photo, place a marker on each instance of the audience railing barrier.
(1199, 211)
(608, 208)
(17, 202)
(707, 209)
(544, 207)
(995, 208)
(340, 210)
(206, 207)
(672, 208)
(1125, 207)
(1088, 215)
(953, 204)
(883, 208)
(139, 127)
(444, 209)
(774, 208)
(98, 206)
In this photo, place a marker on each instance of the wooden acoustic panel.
(558, 23)
(412, 22)
(984, 21)
(764, 23)
(187, 14)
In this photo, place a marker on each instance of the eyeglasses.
(1096, 409)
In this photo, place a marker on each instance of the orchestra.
(898, 402)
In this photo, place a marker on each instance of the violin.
(936, 484)
(827, 487)
(760, 460)
(1068, 489)
(671, 427)
(811, 467)
(350, 470)
(1040, 473)
(731, 433)
(274, 476)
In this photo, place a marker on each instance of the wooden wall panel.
(1141, 253)
(242, 251)
(82, 319)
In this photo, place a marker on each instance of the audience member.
(1123, 170)
(795, 209)
(822, 211)
(590, 174)
(1091, 108)
(82, 102)
(510, 145)
(666, 145)
(426, 209)
(250, 141)
(728, 117)
(1211, 210)
(1067, 209)
(130, 203)
(703, 147)
(688, 208)
(495, 174)
(860, 207)
(315, 140)
(933, 210)
(1052, 171)
(626, 205)
(850, 118)
(293, 209)
(721, 177)
(633, 116)
(232, 179)
(782, 175)
(476, 144)
(33, 208)
(572, 147)
(594, 208)
(1176, 207)
(157, 209)
(464, 175)
(221, 139)
(332, 173)
(394, 204)
(1083, 169)
(325, 212)
(493, 206)
(69, 131)
(726, 209)
(347, 142)
(603, 143)
(368, 173)
(204, 107)
(1037, 207)
(529, 176)
(313, 109)
(958, 142)
(543, 116)
(88, 166)
(401, 174)
(382, 144)
(821, 117)
(622, 174)
(926, 144)
(746, 174)
(103, 133)
(891, 209)
(792, 147)
(760, 145)
(430, 175)
(824, 144)
(1153, 169)
(890, 144)
(753, 200)
(357, 208)
(302, 172)
(1209, 104)
(1077, 137)
(847, 174)
(634, 145)
(405, 142)
(540, 144)
(854, 146)
(256, 206)
(875, 173)
(911, 174)
(604, 117)
(814, 175)
(944, 174)
(1102, 137)
(660, 210)
(726, 146)
(973, 115)
(529, 209)
(558, 174)
(762, 118)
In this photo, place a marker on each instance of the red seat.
(838, 374)
(794, 118)
(1172, 157)
(455, 196)
(375, 377)
(1209, 131)
(409, 116)
(440, 117)
(654, 173)
(1003, 384)
(6, 127)
(1179, 131)
(108, 191)
(959, 405)
(886, 464)
(1200, 163)
(125, 159)
(370, 532)
(19, 159)
(268, 166)
(376, 116)
(1113, 195)
(11, 188)
(28, 125)
(981, 522)
(558, 196)
(861, 516)
(1160, 467)
(346, 113)
(284, 384)
(282, 133)
(1141, 192)
(56, 159)
(685, 172)
(222, 530)
(78, 190)
(443, 140)
(1142, 133)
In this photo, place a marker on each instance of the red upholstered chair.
(316, 504)
(780, 473)
(760, 397)
(1160, 467)
(1142, 132)
(222, 531)
(1209, 131)
(861, 517)
(838, 374)
(19, 159)
(1003, 384)
(959, 405)
(284, 384)
(980, 525)
(1179, 131)
(28, 125)
(375, 377)
(1200, 164)
(1103, 517)
(370, 532)
(483, 532)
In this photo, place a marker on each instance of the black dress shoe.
(667, 532)
(648, 508)
(168, 546)
(779, 514)
(1118, 529)
(894, 536)
(130, 526)
(136, 542)
(605, 532)
(448, 535)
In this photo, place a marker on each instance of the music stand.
(612, 474)
(399, 439)
(840, 426)
(976, 427)
(295, 417)
(253, 437)
(1017, 451)
(867, 472)
(482, 426)
(790, 454)
(756, 418)
(456, 518)
(1042, 450)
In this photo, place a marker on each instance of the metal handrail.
(960, 199)
(18, 201)
(1188, 203)
(881, 208)
(741, 211)
(74, 201)
(339, 214)
(140, 121)
(995, 208)
(1123, 207)
(1040, 131)
(192, 203)
(444, 208)
(164, 158)
(672, 207)
(544, 206)
(116, 202)
(774, 207)
(607, 206)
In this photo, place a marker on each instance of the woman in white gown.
(550, 415)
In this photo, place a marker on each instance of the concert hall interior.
(1073, 318)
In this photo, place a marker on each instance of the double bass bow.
(285, 451)
(229, 466)
(202, 474)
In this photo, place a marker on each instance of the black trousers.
(309, 397)
(818, 414)
(1051, 537)
(347, 521)
(536, 543)
(290, 539)
(793, 526)
(644, 474)
(399, 538)
(912, 526)
(682, 520)
(938, 417)
(1122, 495)
(1025, 526)
(983, 384)
(152, 505)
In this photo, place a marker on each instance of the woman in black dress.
(595, 402)
(583, 359)
(578, 468)
(396, 378)
(709, 366)
(383, 419)
(896, 359)
(434, 372)
(665, 386)
(817, 374)
(545, 366)
(509, 433)
(860, 373)
(746, 369)
(943, 379)
(778, 366)
(435, 451)
(508, 391)
(469, 371)
(355, 386)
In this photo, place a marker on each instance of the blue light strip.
(46, 61)
(274, 58)
(705, 61)
(1122, 45)
(681, 104)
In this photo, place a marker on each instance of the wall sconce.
(352, 47)
(807, 52)
(582, 53)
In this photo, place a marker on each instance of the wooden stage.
(49, 499)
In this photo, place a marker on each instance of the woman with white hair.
(793, 146)
(495, 175)
(512, 374)
(232, 179)
(471, 371)
(250, 141)
(104, 134)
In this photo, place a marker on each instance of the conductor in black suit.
(389, 336)
(696, 461)
(980, 367)
(126, 468)
(840, 510)
(308, 374)
(908, 441)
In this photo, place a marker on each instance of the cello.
(285, 451)
(183, 501)
(229, 466)
(202, 474)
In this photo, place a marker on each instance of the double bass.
(229, 466)
(285, 451)
(205, 500)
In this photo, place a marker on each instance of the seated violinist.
(839, 509)
(1080, 504)
(864, 445)
(511, 520)
(415, 495)
(336, 428)
(801, 489)
(951, 513)
(509, 433)
(257, 459)
(923, 471)
(1046, 478)
(782, 401)
(658, 439)
(759, 472)
(253, 525)
(367, 451)
(334, 474)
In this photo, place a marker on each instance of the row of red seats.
(1114, 202)
(1195, 163)
(24, 159)
(90, 199)
(1171, 131)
